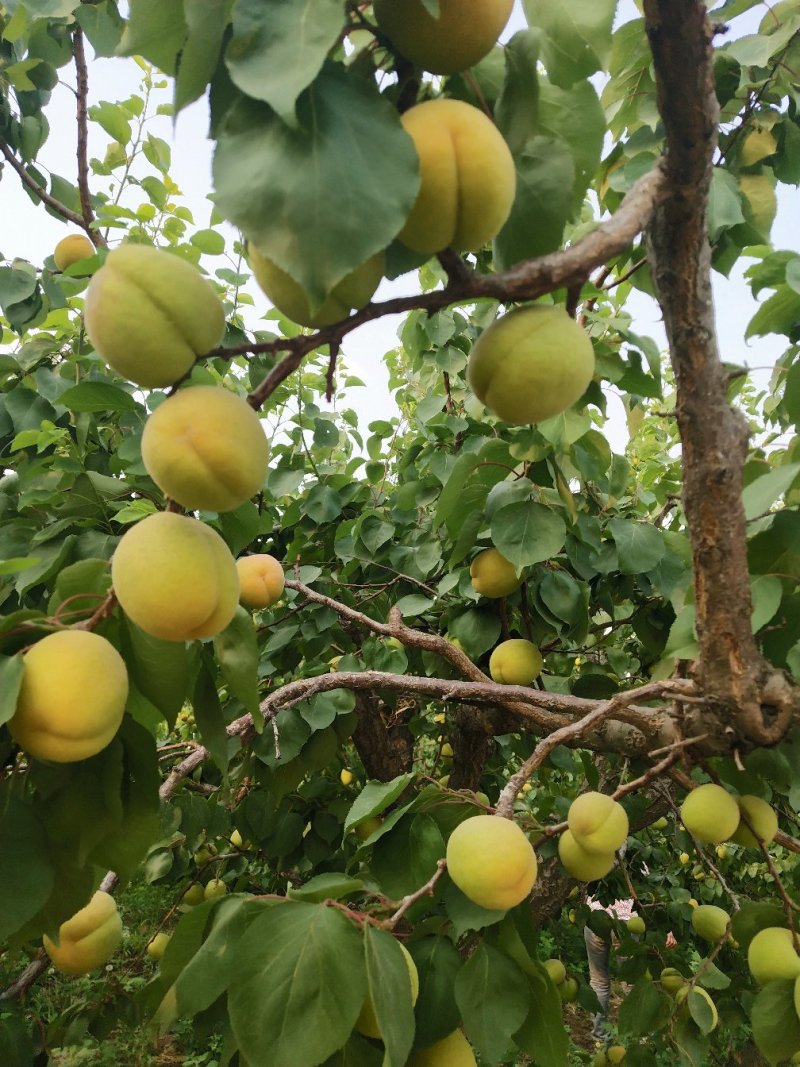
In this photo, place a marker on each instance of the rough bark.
(385, 749)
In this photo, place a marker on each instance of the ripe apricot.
(452, 1051)
(353, 292)
(710, 813)
(531, 364)
(149, 314)
(515, 662)
(467, 177)
(72, 249)
(89, 939)
(598, 823)
(261, 580)
(72, 699)
(205, 448)
(491, 861)
(175, 577)
(492, 575)
(583, 865)
(761, 817)
(462, 33)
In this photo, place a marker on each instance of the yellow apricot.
(353, 292)
(72, 249)
(583, 865)
(772, 955)
(491, 861)
(149, 314)
(531, 364)
(367, 1021)
(492, 575)
(616, 1054)
(452, 1051)
(89, 939)
(215, 888)
(556, 970)
(261, 580)
(598, 823)
(175, 577)
(157, 946)
(710, 813)
(346, 776)
(467, 177)
(462, 33)
(761, 817)
(710, 922)
(515, 662)
(205, 448)
(72, 698)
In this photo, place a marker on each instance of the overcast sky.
(26, 231)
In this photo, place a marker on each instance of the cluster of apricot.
(597, 827)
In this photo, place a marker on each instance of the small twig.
(39, 191)
(412, 898)
(82, 84)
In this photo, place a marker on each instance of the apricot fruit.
(710, 922)
(598, 823)
(175, 577)
(672, 980)
(616, 1054)
(636, 925)
(531, 364)
(568, 991)
(367, 1022)
(583, 865)
(346, 776)
(452, 1051)
(205, 448)
(515, 662)
(72, 249)
(761, 817)
(261, 580)
(460, 36)
(193, 896)
(89, 939)
(492, 575)
(491, 861)
(556, 970)
(214, 889)
(72, 697)
(157, 946)
(467, 177)
(353, 292)
(149, 314)
(772, 955)
(710, 814)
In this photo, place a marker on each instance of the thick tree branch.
(713, 435)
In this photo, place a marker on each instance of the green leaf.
(16, 284)
(237, 654)
(465, 914)
(208, 714)
(543, 1035)
(762, 493)
(211, 242)
(492, 996)
(517, 109)
(640, 546)
(298, 987)
(766, 591)
(389, 987)
(161, 670)
(97, 396)
(477, 630)
(278, 48)
(28, 874)
(527, 533)
(328, 886)
(542, 204)
(577, 118)
(205, 23)
(776, 1027)
(778, 314)
(645, 1009)
(438, 964)
(724, 203)
(208, 973)
(577, 36)
(156, 31)
(321, 199)
(751, 918)
(374, 798)
(112, 119)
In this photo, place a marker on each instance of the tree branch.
(82, 85)
(38, 190)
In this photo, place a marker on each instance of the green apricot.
(710, 922)
(710, 813)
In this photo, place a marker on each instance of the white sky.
(27, 232)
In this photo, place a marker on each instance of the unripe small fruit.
(89, 939)
(72, 698)
(205, 448)
(710, 813)
(452, 1051)
(158, 945)
(684, 858)
(556, 970)
(461, 33)
(175, 577)
(492, 575)
(149, 314)
(599, 1059)
(660, 824)
(467, 177)
(615, 1054)
(367, 1022)
(772, 955)
(367, 828)
(721, 851)
(203, 855)
(568, 991)
(583, 865)
(527, 788)
(353, 292)
(72, 249)
(215, 888)
(710, 922)
(193, 896)
(531, 364)
(491, 861)
(598, 823)
(636, 925)
(346, 776)
(672, 980)
(515, 662)
(761, 817)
